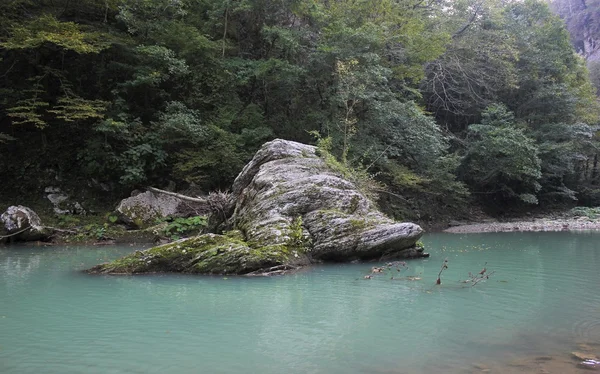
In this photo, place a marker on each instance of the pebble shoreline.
(574, 224)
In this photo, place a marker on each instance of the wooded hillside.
(443, 101)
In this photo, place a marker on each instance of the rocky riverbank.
(289, 207)
(538, 224)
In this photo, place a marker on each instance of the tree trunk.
(595, 169)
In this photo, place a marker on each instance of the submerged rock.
(290, 208)
(23, 224)
(584, 356)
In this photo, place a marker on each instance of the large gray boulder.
(287, 183)
(143, 209)
(23, 224)
(289, 208)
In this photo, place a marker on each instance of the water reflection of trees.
(16, 269)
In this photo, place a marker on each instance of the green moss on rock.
(205, 254)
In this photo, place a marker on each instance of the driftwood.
(275, 270)
(54, 230)
(177, 195)
(15, 233)
(61, 230)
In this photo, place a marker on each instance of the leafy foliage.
(180, 227)
(591, 213)
(500, 159)
(47, 29)
(356, 174)
(401, 92)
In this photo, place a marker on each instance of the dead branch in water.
(275, 270)
(476, 278)
(388, 267)
(444, 267)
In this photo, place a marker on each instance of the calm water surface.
(542, 303)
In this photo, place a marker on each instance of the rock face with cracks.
(289, 209)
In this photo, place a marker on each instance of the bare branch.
(444, 267)
(180, 196)
(469, 22)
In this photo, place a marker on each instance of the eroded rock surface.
(287, 182)
(290, 208)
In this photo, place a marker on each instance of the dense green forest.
(446, 103)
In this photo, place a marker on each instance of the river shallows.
(542, 303)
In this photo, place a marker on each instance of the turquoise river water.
(541, 304)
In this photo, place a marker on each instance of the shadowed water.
(543, 301)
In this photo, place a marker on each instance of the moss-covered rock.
(288, 208)
(204, 254)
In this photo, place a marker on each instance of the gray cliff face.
(288, 182)
(289, 208)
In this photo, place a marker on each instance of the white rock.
(145, 208)
(23, 220)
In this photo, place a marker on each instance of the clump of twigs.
(387, 268)
(396, 267)
(482, 275)
(444, 267)
(218, 202)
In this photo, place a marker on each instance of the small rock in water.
(584, 356)
(480, 366)
(589, 365)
